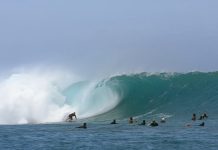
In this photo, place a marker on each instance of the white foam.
(33, 97)
(36, 96)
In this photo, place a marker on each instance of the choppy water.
(168, 136)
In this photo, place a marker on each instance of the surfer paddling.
(70, 116)
(130, 120)
(194, 117)
(84, 126)
(203, 116)
(114, 122)
(143, 123)
(153, 123)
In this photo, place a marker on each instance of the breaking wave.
(41, 97)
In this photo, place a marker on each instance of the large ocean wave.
(39, 97)
(167, 94)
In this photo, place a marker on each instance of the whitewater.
(46, 97)
(37, 96)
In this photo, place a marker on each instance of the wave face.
(36, 97)
(174, 94)
(91, 98)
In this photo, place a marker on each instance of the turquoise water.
(175, 96)
(146, 94)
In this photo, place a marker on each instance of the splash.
(32, 97)
(39, 96)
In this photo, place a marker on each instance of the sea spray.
(39, 96)
(33, 97)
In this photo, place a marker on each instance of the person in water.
(70, 116)
(84, 126)
(201, 117)
(202, 124)
(114, 122)
(163, 120)
(205, 116)
(130, 120)
(143, 123)
(153, 123)
(194, 117)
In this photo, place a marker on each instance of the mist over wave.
(32, 97)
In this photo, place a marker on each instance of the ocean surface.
(168, 136)
(39, 123)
